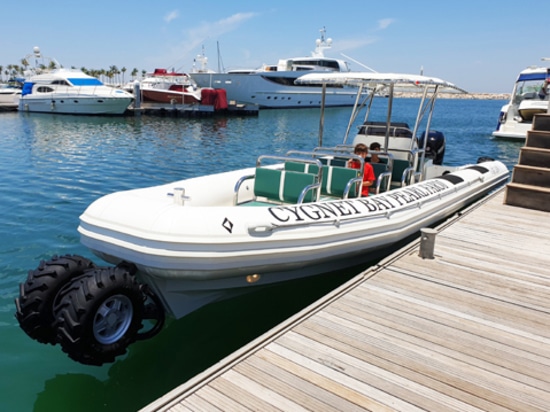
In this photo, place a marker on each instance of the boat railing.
(395, 129)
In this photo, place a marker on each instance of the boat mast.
(221, 69)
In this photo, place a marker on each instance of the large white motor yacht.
(273, 86)
(54, 89)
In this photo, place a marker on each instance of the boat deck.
(466, 331)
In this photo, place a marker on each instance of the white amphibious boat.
(182, 245)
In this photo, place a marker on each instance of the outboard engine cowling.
(435, 146)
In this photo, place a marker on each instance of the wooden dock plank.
(465, 331)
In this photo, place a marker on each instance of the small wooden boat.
(182, 245)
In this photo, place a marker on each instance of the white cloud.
(197, 35)
(384, 23)
(352, 44)
(171, 16)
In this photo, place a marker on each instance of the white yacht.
(273, 86)
(527, 100)
(68, 91)
(9, 95)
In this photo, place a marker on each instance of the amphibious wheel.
(99, 315)
(37, 295)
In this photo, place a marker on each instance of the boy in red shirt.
(368, 173)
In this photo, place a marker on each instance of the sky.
(479, 45)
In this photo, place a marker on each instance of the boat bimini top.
(384, 85)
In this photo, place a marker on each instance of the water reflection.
(185, 348)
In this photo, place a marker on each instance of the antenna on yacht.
(37, 54)
(321, 44)
(359, 63)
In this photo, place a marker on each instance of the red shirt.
(368, 175)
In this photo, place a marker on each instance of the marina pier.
(465, 331)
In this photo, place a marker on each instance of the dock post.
(137, 97)
(427, 243)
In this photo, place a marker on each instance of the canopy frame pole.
(322, 118)
(388, 117)
(354, 112)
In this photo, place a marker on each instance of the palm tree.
(1, 76)
(134, 73)
(123, 70)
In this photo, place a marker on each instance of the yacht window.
(528, 87)
(331, 64)
(60, 82)
(85, 82)
(44, 89)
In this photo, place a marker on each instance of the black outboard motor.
(435, 147)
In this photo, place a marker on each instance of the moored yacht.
(273, 86)
(70, 91)
(163, 86)
(9, 95)
(528, 99)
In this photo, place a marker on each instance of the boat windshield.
(85, 81)
(529, 86)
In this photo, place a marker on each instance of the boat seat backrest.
(285, 185)
(301, 167)
(383, 176)
(337, 181)
(401, 172)
(333, 161)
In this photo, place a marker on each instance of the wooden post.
(427, 243)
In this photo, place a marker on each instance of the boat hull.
(166, 96)
(9, 99)
(75, 104)
(206, 249)
(264, 90)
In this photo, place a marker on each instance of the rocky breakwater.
(472, 96)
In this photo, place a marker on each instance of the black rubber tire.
(34, 306)
(99, 315)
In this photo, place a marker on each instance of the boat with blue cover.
(168, 250)
(529, 98)
(54, 89)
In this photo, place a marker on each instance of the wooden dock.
(466, 331)
(192, 110)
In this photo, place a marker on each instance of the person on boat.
(374, 146)
(368, 172)
(543, 92)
